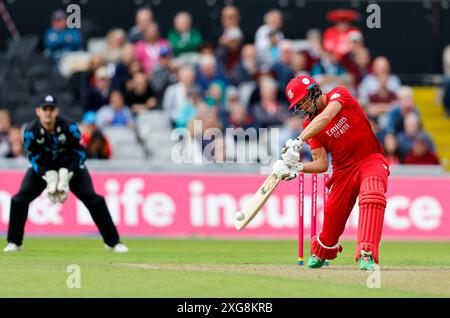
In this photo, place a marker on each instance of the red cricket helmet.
(299, 87)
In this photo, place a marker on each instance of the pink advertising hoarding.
(181, 205)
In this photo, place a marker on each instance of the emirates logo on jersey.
(290, 94)
(340, 128)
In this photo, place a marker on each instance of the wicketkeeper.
(335, 123)
(52, 145)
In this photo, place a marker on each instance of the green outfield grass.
(217, 268)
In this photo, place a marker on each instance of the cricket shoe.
(118, 248)
(315, 262)
(12, 247)
(366, 262)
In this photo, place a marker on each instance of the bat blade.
(257, 201)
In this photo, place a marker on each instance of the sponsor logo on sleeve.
(334, 96)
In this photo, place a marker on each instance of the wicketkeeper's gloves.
(51, 177)
(64, 176)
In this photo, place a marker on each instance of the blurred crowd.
(231, 82)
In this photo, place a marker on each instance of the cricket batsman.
(335, 123)
(52, 145)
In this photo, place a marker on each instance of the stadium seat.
(131, 151)
(120, 135)
(154, 130)
(124, 143)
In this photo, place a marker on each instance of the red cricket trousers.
(345, 188)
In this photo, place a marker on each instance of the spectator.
(391, 149)
(98, 94)
(357, 69)
(100, 148)
(229, 51)
(269, 111)
(215, 95)
(412, 131)
(175, 96)
(207, 48)
(81, 82)
(283, 68)
(144, 17)
(139, 95)
(122, 72)
(163, 73)
(189, 111)
(299, 64)
(377, 131)
(232, 98)
(273, 22)
(335, 38)
(59, 39)
(115, 114)
(371, 83)
(329, 73)
(183, 37)
(404, 106)
(115, 43)
(212, 146)
(15, 143)
(446, 99)
(208, 71)
(446, 64)
(238, 118)
(230, 19)
(314, 49)
(421, 154)
(363, 63)
(232, 101)
(147, 50)
(247, 68)
(381, 102)
(5, 126)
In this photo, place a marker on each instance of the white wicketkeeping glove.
(51, 177)
(290, 153)
(63, 184)
(284, 172)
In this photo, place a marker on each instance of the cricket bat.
(256, 202)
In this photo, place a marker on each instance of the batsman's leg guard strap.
(322, 251)
(372, 204)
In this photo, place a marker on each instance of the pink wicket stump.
(301, 211)
(301, 191)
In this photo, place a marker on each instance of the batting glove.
(290, 153)
(284, 172)
(295, 144)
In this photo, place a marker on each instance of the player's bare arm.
(321, 121)
(319, 163)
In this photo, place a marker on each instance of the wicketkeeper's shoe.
(315, 262)
(366, 262)
(118, 248)
(11, 247)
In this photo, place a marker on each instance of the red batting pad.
(372, 204)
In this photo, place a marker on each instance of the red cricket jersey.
(348, 137)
